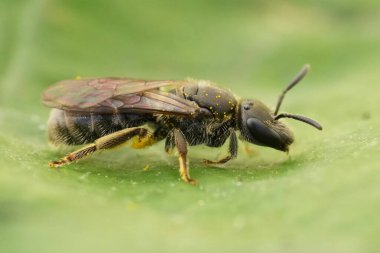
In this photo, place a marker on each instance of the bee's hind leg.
(106, 142)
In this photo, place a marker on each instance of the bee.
(105, 113)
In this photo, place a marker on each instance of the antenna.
(300, 118)
(296, 80)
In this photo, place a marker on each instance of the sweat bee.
(108, 112)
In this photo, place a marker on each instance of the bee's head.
(259, 125)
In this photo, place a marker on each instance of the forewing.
(110, 95)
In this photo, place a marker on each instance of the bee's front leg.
(181, 145)
(232, 149)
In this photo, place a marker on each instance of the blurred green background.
(324, 197)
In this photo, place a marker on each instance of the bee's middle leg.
(181, 144)
(106, 142)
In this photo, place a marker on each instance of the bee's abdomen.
(75, 129)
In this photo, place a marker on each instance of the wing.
(111, 95)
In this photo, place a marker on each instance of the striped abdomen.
(75, 129)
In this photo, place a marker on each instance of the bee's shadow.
(156, 167)
(251, 170)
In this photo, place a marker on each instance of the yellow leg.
(106, 142)
(78, 154)
(181, 144)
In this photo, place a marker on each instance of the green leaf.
(323, 197)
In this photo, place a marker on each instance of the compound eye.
(263, 133)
